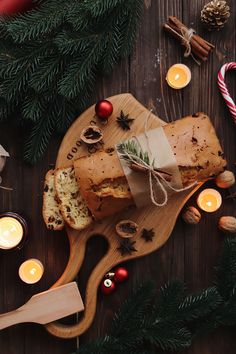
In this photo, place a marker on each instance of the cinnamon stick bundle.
(195, 45)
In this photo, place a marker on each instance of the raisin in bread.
(71, 204)
(51, 213)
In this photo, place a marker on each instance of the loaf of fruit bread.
(51, 213)
(198, 154)
(71, 204)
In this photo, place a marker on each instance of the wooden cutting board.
(162, 220)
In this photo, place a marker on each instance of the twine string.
(186, 36)
(156, 179)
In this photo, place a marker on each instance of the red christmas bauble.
(10, 7)
(104, 109)
(107, 286)
(121, 274)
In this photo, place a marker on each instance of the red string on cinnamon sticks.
(195, 46)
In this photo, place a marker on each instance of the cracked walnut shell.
(227, 224)
(126, 228)
(91, 135)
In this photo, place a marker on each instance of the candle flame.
(209, 203)
(33, 271)
(177, 76)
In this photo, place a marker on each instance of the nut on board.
(91, 134)
(126, 228)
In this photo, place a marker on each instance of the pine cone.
(215, 14)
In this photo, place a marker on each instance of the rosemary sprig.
(130, 148)
(137, 158)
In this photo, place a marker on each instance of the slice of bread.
(51, 212)
(71, 204)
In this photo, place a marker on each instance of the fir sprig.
(172, 320)
(131, 149)
(51, 57)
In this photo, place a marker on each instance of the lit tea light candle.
(31, 271)
(209, 200)
(13, 229)
(178, 76)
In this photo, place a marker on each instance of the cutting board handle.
(11, 318)
(65, 331)
(76, 258)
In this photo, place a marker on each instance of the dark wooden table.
(191, 252)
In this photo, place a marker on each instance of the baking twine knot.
(187, 34)
(157, 182)
(186, 37)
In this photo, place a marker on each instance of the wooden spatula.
(46, 307)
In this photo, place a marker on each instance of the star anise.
(148, 234)
(127, 247)
(124, 121)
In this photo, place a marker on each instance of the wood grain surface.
(191, 252)
(46, 307)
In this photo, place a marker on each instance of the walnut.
(91, 135)
(225, 179)
(227, 224)
(126, 228)
(191, 215)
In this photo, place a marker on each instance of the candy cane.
(223, 88)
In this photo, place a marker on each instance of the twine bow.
(155, 179)
(187, 34)
(155, 176)
(186, 37)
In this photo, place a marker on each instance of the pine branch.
(39, 137)
(48, 70)
(98, 8)
(226, 270)
(129, 26)
(39, 22)
(133, 309)
(70, 43)
(67, 111)
(199, 305)
(228, 312)
(169, 337)
(145, 350)
(101, 346)
(33, 106)
(171, 295)
(80, 76)
(6, 110)
(53, 55)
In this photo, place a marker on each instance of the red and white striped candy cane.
(223, 88)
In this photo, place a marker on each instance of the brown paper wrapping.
(159, 150)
